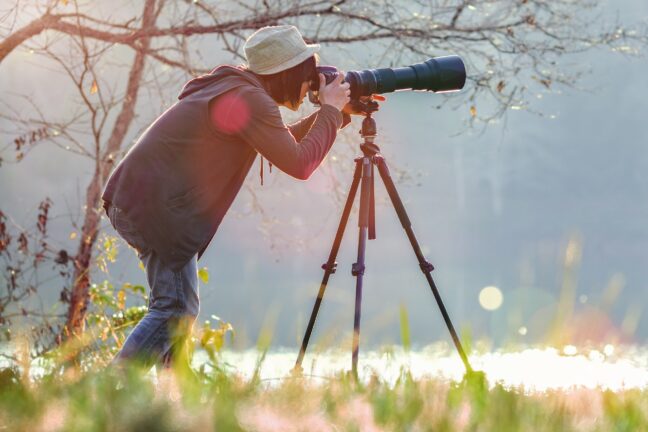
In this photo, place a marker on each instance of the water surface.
(533, 368)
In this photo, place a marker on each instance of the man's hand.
(336, 93)
(350, 108)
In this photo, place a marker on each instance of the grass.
(130, 400)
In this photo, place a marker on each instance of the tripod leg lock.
(329, 267)
(426, 267)
(357, 269)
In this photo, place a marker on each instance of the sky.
(530, 204)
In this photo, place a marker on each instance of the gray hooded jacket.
(180, 178)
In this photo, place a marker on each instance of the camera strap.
(261, 171)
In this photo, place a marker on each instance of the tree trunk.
(75, 324)
(81, 282)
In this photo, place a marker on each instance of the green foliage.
(400, 406)
(203, 274)
(107, 249)
(466, 339)
(626, 412)
(114, 310)
(109, 316)
(405, 328)
(213, 340)
(112, 313)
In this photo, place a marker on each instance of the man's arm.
(265, 130)
(303, 125)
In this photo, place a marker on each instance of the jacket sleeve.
(299, 128)
(263, 128)
(302, 126)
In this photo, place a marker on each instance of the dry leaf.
(73, 235)
(94, 87)
(121, 299)
(500, 86)
(473, 111)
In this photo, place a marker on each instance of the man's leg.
(173, 305)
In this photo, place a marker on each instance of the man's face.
(302, 94)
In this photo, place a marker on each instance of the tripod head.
(366, 107)
(368, 131)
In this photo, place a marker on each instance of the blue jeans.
(161, 336)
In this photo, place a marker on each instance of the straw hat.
(273, 49)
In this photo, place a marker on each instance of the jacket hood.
(217, 74)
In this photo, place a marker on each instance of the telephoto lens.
(439, 74)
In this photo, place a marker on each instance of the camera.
(439, 74)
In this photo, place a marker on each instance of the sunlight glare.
(608, 350)
(570, 350)
(536, 369)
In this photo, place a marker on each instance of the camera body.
(329, 72)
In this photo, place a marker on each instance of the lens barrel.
(439, 74)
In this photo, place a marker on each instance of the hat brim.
(310, 50)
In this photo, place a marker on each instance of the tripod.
(364, 176)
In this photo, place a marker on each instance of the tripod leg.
(426, 267)
(359, 266)
(329, 267)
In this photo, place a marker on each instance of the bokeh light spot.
(490, 298)
(522, 330)
(230, 113)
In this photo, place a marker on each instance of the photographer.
(168, 195)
